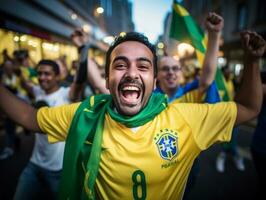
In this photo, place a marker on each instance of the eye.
(120, 66)
(143, 67)
(165, 68)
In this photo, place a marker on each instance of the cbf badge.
(166, 142)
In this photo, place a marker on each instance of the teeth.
(132, 88)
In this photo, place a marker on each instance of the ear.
(154, 83)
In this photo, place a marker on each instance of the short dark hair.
(131, 36)
(51, 63)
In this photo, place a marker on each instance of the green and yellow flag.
(185, 29)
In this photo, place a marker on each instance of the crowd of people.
(139, 131)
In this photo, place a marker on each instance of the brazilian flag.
(185, 29)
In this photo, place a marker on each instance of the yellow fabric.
(180, 10)
(191, 97)
(195, 127)
(230, 89)
(56, 121)
(26, 74)
(200, 57)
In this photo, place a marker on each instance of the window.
(242, 15)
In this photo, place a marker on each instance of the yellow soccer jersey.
(191, 97)
(154, 162)
(230, 88)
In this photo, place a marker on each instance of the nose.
(41, 76)
(171, 70)
(132, 71)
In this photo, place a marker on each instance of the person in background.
(11, 82)
(23, 67)
(43, 172)
(170, 76)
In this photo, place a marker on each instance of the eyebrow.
(124, 58)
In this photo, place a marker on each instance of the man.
(11, 82)
(131, 144)
(170, 76)
(43, 171)
(170, 70)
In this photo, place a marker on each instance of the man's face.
(131, 77)
(169, 73)
(48, 79)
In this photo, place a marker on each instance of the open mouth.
(130, 94)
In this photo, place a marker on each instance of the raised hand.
(253, 44)
(214, 22)
(79, 37)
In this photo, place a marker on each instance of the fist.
(214, 22)
(253, 44)
(79, 37)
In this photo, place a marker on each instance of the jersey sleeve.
(56, 121)
(192, 96)
(209, 123)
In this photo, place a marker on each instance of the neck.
(52, 90)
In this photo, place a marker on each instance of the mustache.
(128, 80)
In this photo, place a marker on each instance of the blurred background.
(43, 29)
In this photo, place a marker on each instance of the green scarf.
(83, 144)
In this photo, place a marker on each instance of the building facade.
(44, 27)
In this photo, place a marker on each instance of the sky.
(149, 15)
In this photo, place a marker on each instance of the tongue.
(131, 95)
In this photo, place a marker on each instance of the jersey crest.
(166, 142)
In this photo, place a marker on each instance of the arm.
(214, 24)
(95, 78)
(264, 90)
(18, 110)
(87, 68)
(249, 96)
(79, 38)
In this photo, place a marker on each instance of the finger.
(209, 15)
(245, 37)
(79, 29)
(259, 51)
(256, 41)
(215, 19)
